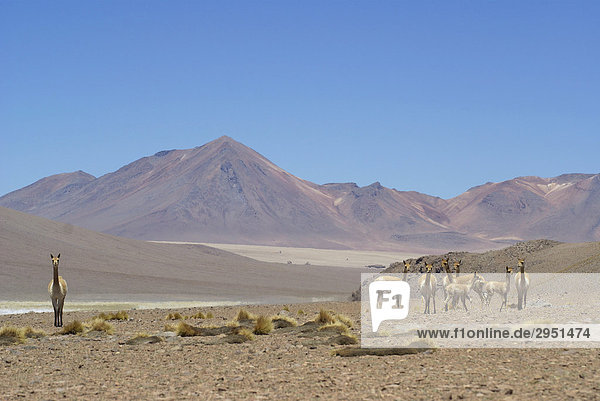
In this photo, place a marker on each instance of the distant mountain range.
(226, 192)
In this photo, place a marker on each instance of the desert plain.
(286, 364)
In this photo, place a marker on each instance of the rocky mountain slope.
(226, 192)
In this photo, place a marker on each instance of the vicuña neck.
(56, 276)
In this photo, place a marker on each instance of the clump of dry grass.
(120, 315)
(75, 327)
(324, 317)
(300, 312)
(174, 316)
(263, 325)
(209, 315)
(30, 332)
(243, 314)
(280, 321)
(185, 330)
(198, 315)
(286, 308)
(344, 319)
(101, 325)
(242, 331)
(336, 327)
(11, 334)
(170, 327)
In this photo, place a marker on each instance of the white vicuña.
(428, 286)
(456, 291)
(522, 284)
(500, 287)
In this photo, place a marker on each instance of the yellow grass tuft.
(286, 308)
(300, 312)
(174, 316)
(11, 334)
(245, 332)
(198, 315)
(120, 315)
(243, 314)
(75, 327)
(209, 315)
(30, 332)
(324, 317)
(102, 326)
(185, 330)
(344, 319)
(170, 327)
(280, 321)
(336, 327)
(263, 325)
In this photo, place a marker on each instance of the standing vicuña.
(500, 287)
(522, 284)
(478, 288)
(457, 291)
(428, 286)
(58, 291)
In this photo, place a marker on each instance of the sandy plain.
(313, 256)
(283, 365)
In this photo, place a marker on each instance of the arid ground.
(286, 364)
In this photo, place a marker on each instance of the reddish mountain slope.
(226, 192)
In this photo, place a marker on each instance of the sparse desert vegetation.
(243, 314)
(120, 315)
(174, 316)
(263, 325)
(74, 327)
(240, 363)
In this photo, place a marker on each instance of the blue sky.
(430, 96)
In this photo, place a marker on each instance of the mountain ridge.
(224, 191)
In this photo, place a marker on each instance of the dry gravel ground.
(284, 365)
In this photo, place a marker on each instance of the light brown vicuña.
(57, 288)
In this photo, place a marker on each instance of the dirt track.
(282, 365)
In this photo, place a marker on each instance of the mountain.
(564, 208)
(101, 267)
(225, 192)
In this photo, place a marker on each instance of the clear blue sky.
(434, 96)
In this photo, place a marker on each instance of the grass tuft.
(171, 327)
(120, 315)
(102, 326)
(300, 312)
(263, 325)
(245, 333)
(283, 321)
(75, 327)
(286, 308)
(209, 315)
(324, 317)
(344, 319)
(198, 315)
(30, 332)
(174, 316)
(11, 334)
(336, 327)
(185, 330)
(243, 314)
